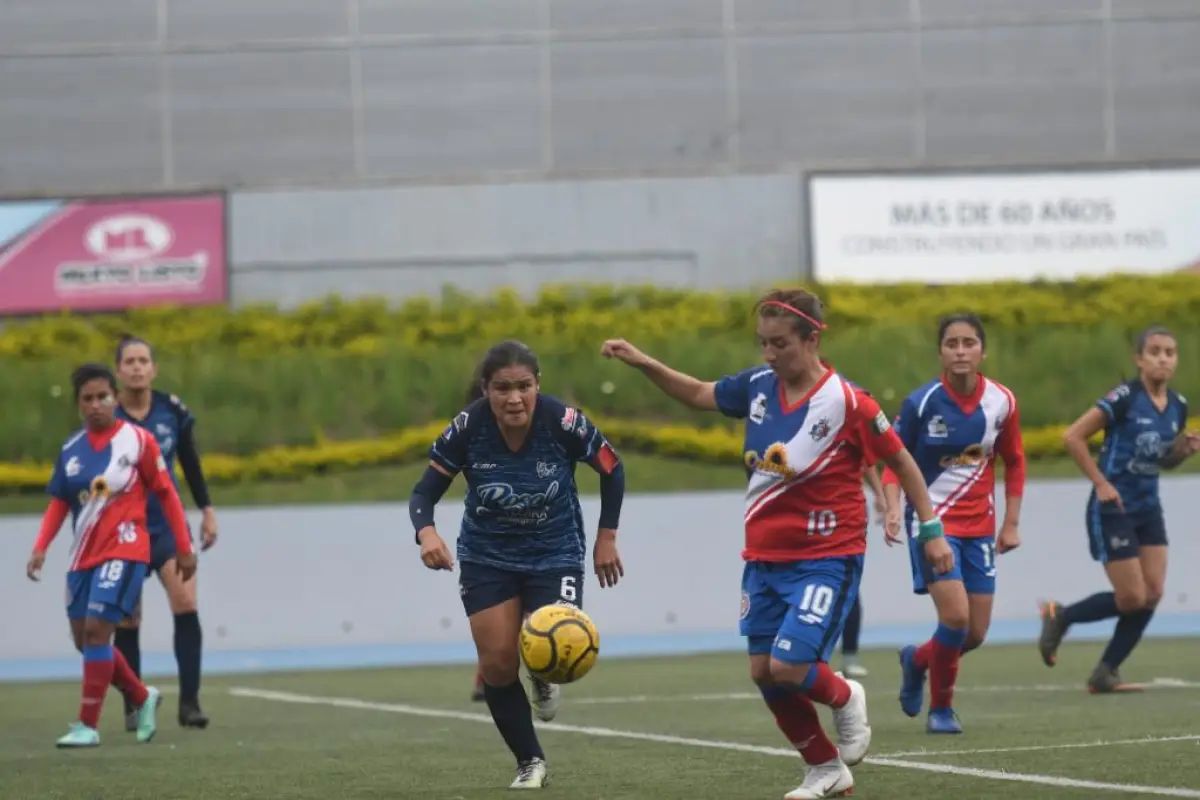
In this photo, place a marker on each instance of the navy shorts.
(483, 587)
(163, 549)
(109, 591)
(1114, 536)
(796, 610)
(974, 564)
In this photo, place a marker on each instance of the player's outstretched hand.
(434, 553)
(1009, 538)
(624, 351)
(185, 565)
(33, 569)
(1193, 443)
(940, 556)
(609, 568)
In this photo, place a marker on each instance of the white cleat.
(854, 730)
(852, 669)
(546, 699)
(531, 775)
(831, 779)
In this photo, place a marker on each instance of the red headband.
(780, 304)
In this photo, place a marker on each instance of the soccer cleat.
(912, 682)
(131, 718)
(1054, 628)
(546, 698)
(1106, 681)
(531, 774)
(79, 735)
(854, 730)
(943, 720)
(831, 779)
(148, 715)
(852, 668)
(190, 716)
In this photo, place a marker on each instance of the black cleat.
(190, 716)
(131, 721)
(1054, 629)
(1106, 681)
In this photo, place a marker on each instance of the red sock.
(797, 717)
(924, 656)
(97, 675)
(943, 671)
(827, 688)
(127, 681)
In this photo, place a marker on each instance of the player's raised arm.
(153, 468)
(680, 387)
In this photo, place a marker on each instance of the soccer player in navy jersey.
(1144, 423)
(810, 434)
(955, 425)
(171, 423)
(101, 478)
(522, 542)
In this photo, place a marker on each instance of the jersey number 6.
(567, 590)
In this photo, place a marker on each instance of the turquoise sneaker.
(80, 735)
(147, 715)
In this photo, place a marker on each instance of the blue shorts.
(482, 587)
(1114, 536)
(974, 564)
(796, 610)
(109, 592)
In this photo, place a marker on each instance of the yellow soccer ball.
(559, 644)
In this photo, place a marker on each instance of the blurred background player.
(173, 427)
(1144, 423)
(955, 426)
(522, 543)
(101, 477)
(810, 435)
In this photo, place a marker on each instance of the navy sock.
(127, 642)
(188, 641)
(852, 630)
(1126, 636)
(514, 719)
(1102, 605)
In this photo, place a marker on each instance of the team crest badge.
(745, 605)
(819, 430)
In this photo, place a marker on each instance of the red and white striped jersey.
(805, 463)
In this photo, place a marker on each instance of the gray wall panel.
(576, 16)
(447, 17)
(1154, 9)
(83, 122)
(823, 12)
(452, 109)
(828, 96)
(250, 20)
(984, 11)
(42, 22)
(261, 116)
(1037, 91)
(1157, 91)
(639, 104)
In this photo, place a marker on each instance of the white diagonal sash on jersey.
(953, 484)
(805, 456)
(119, 476)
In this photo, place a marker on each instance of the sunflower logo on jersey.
(99, 489)
(773, 461)
(971, 457)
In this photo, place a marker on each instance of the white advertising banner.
(985, 226)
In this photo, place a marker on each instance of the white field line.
(1035, 748)
(609, 733)
(1156, 683)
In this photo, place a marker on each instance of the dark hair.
(1153, 330)
(128, 339)
(510, 353)
(787, 302)
(966, 318)
(475, 391)
(91, 372)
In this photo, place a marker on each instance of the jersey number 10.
(821, 523)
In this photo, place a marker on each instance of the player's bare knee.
(1154, 596)
(1131, 598)
(975, 640)
(96, 632)
(760, 671)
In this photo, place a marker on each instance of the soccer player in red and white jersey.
(809, 436)
(955, 426)
(101, 477)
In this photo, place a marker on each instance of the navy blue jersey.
(522, 509)
(167, 419)
(1136, 437)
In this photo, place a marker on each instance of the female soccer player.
(522, 540)
(173, 426)
(101, 478)
(954, 426)
(809, 436)
(1144, 424)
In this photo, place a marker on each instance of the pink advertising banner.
(112, 254)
